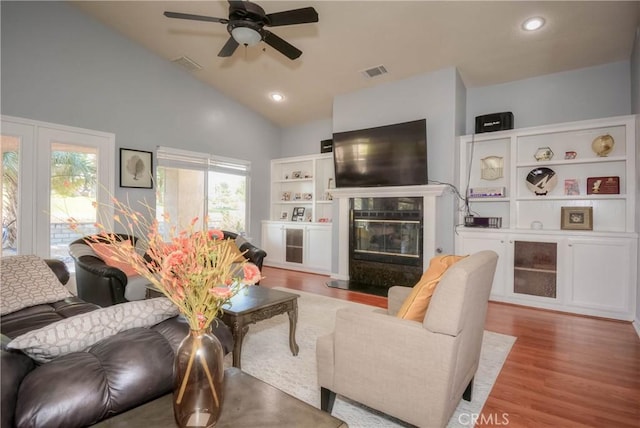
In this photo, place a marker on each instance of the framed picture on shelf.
(297, 196)
(284, 215)
(307, 196)
(297, 214)
(285, 196)
(571, 187)
(136, 169)
(576, 218)
(296, 174)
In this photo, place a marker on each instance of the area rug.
(266, 355)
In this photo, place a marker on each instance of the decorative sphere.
(603, 145)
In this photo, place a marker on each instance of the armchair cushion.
(81, 331)
(415, 306)
(28, 281)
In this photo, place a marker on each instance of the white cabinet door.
(318, 248)
(470, 243)
(601, 276)
(273, 242)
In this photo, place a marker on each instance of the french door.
(50, 173)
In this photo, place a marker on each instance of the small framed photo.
(307, 196)
(297, 196)
(296, 174)
(285, 196)
(136, 169)
(284, 215)
(576, 218)
(571, 187)
(297, 214)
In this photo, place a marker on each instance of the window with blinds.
(192, 184)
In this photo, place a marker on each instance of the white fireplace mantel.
(429, 193)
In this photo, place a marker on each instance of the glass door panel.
(10, 169)
(73, 191)
(535, 268)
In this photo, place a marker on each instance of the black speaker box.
(494, 122)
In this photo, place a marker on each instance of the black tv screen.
(392, 155)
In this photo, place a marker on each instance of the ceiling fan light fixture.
(533, 24)
(246, 36)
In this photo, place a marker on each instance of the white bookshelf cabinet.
(300, 242)
(542, 264)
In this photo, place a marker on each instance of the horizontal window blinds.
(176, 158)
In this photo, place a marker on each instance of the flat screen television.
(392, 155)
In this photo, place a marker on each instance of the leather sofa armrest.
(254, 254)
(98, 267)
(99, 283)
(14, 366)
(59, 268)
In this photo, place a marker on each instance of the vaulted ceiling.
(483, 40)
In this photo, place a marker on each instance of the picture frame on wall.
(136, 169)
(576, 218)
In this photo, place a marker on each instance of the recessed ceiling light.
(533, 24)
(277, 97)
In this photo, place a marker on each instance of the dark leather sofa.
(82, 388)
(105, 285)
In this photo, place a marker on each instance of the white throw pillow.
(28, 281)
(81, 331)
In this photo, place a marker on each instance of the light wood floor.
(563, 371)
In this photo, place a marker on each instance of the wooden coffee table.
(255, 304)
(248, 402)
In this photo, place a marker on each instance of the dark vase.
(199, 375)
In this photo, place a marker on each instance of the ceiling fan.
(246, 24)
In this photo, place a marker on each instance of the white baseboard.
(636, 325)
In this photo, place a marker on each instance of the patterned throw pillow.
(81, 331)
(28, 281)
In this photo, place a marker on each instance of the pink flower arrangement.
(199, 271)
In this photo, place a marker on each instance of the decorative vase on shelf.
(603, 145)
(198, 380)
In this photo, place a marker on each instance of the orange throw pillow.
(415, 306)
(105, 252)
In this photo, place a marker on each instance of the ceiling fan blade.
(280, 45)
(195, 17)
(229, 48)
(291, 17)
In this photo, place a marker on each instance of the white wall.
(61, 66)
(587, 93)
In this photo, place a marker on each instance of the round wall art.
(541, 180)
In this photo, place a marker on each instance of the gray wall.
(305, 139)
(432, 96)
(60, 66)
(587, 93)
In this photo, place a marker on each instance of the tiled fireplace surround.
(430, 195)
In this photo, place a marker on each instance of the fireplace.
(385, 241)
(385, 235)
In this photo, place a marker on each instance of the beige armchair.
(414, 371)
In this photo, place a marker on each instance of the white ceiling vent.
(187, 63)
(375, 71)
